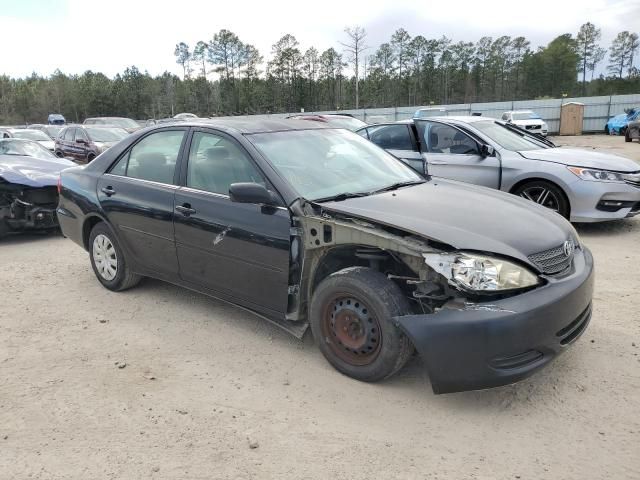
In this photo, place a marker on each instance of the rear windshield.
(36, 135)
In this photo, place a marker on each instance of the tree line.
(226, 76)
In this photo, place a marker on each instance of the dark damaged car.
(313, 226)
(28, 186)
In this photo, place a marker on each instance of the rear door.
(137, 197)
(238, 250)
(67, 143)
(452, 153)
(399, 140)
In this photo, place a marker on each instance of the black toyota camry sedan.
(307, 225)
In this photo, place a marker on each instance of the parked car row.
(580, 185)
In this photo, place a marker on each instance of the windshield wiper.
(397, 185)
(340, 197)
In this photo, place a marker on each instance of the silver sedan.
(581, 185)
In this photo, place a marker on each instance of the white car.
(29, 134)
(528, 120)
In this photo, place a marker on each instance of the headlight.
(481, 273)
(596, 175)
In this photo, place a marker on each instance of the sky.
(109, 35)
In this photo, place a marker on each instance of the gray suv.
(581, 185)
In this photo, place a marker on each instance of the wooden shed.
(571, 117)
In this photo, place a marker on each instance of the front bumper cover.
(496, 343)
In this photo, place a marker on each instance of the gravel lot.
(159, 382)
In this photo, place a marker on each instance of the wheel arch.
(89, 222)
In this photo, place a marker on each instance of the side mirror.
(251, 193)
(487, 150)
(81, 141)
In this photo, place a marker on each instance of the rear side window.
(391, 137)
(153, 158)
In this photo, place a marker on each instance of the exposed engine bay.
(27, 208)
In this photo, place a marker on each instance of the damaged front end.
(27, 208)
(478, 321)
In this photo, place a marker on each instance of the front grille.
(553, 260)
(572, 331)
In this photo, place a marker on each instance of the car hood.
(530, 121)
(465, 216)
(583, 158)
(618, 121)
(32, 172)
(48, 144)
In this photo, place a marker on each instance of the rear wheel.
(627, 136)
(90, 157)
(59, 154)
(606, 129)
(351, 320)
(546, 194)
(108, 260)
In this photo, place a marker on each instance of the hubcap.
(542, 196)
(351, 330)
(104, 257)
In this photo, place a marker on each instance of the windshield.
(36, 135)
(525, 116)
(106, 135)
(53, 131)
(327, 162)
(352, 124)
(122, 122)
(426, 113)
(507, 138)
(26, 148)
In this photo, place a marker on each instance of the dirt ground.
(159, 382)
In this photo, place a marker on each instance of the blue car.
(618, 124)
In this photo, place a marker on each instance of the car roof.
(519, 111)
(251, 125)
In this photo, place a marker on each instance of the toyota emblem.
(567, 248)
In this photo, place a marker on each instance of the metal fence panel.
(597, 110)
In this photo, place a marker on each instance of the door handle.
(108, 191)
(185, 209)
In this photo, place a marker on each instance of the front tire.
(545, 193)
(108, 260)
(627, 137)
(351, 320)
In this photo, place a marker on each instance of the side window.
(363, 133)
(391, 137)
(152, 158)
(81, 135)
(69, 134)
(216, 162)
(441, 138)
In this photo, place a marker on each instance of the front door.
(137, 197)
(238, 250)
(452, 153)
(399, 140)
